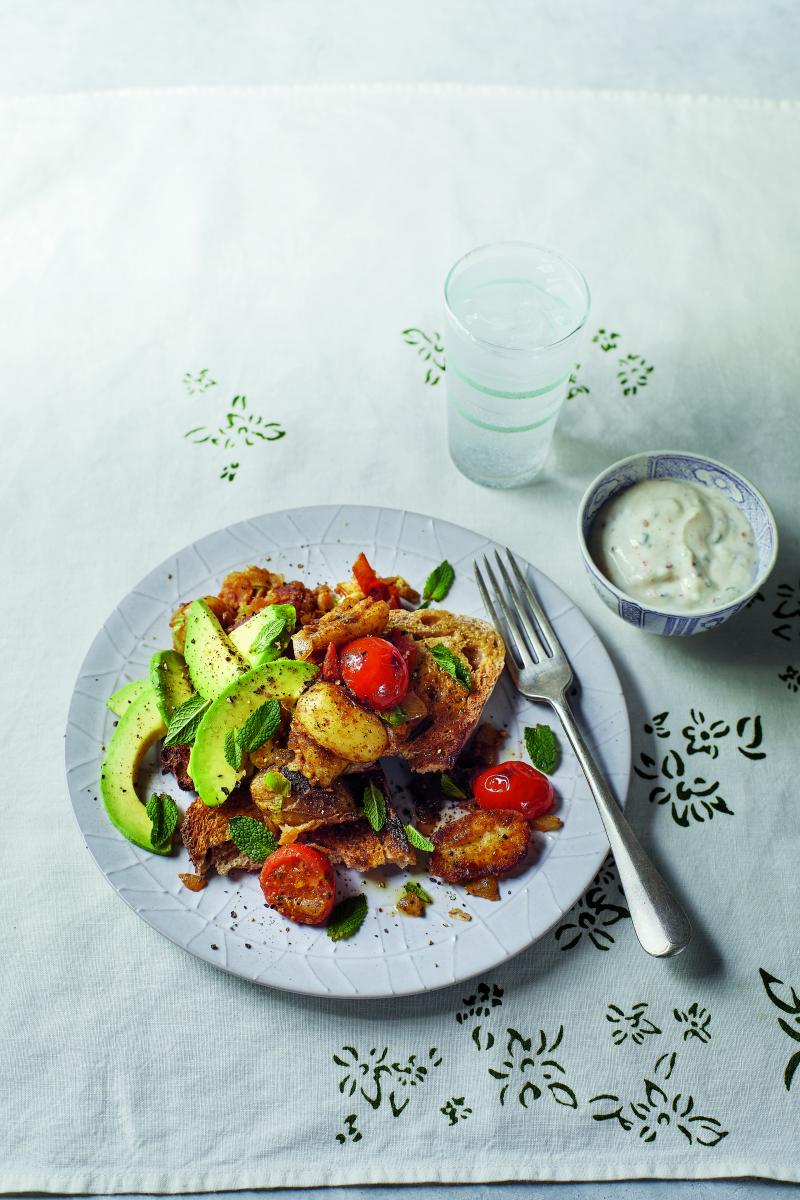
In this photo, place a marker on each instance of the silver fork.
(540, 670)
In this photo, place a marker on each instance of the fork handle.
(661, 925)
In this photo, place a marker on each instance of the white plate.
(390, 955)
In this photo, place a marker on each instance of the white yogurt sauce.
(674, 545)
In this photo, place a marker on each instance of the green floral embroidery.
(750, 749)
(480, 1004)
(593, 915)
(606, 339)
(240, 427)
(696, 1020)
(791, 677)
(455, 1109)
(430, 349)
(701, 737)
(788, 1002)
(352, 1132)
(522, 1060)
(658, 1111)
(374, 1074)
(633, 374)
(787, 612)
(696, 799)
(200, 382)
(574, 388)
(656, 726)
(634, 1025)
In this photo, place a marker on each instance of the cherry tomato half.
(515, 785)
(375, 671)
(298, 882)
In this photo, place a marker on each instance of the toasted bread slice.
(358, 846)
(204, 832)
(453, 712)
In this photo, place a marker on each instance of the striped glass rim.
(546, 253)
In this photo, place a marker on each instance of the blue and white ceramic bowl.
(692, 468)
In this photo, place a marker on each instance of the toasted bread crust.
(204, 832)
(358, 846)
(452, 711)
(479, 844)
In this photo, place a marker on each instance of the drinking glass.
(513, 315)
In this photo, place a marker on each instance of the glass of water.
(513, 315)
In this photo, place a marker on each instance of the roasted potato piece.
(331, 719)
(306, 804)
(481, 843)
(351, 619)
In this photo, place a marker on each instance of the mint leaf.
(451, 788)
(347, 918)
(232, 751)
(418, 840)
(416, 889)
(259, 726)
(164, 816)
(394, 716)
(542, 747)
(252, 838)
(452, 664)
(439, 582)
(182, 729)
(275, 631)
(374, 806)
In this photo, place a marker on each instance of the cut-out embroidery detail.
(430, 348)
(660, 1110)
(696, 1020)
(530, 1070)
(787, 1000)
(455, 1109)
(594, 914)
(634, 1024)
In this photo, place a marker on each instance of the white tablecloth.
(283, 240)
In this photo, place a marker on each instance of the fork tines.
(524, 627)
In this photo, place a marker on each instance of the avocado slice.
(139, 726)
(213, 661)
(119, 700)
(169, 679)
(213, 777)
(244, 635)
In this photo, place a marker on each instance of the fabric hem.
(99, 1183)
(444, 89)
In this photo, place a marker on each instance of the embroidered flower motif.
(701, 736)
(574, 388)
(592, 917)
(430, 349)
(659, 1111)
(455, 1109)
(529, 1069)
(633, 374)
(696, 1020)
(634, 1025)
(657, 725)
(606, 339)
(788, 1002)
(352, 1132)
(369, 1075)
(791, 677)
(750, 749)
(481, 1002)
(696, 799)
(787, 611)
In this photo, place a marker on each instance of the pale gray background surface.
(725, 48)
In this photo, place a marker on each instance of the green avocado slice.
(213, 776)
(119, 700)
(213, 660)
(245, 635)
(139, 726)
(170, 682)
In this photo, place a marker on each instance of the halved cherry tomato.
(515, 785)
(372, 585)
(330, 664)
(298, 882)
(375, 671)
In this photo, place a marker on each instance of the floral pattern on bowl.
(690, 468)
